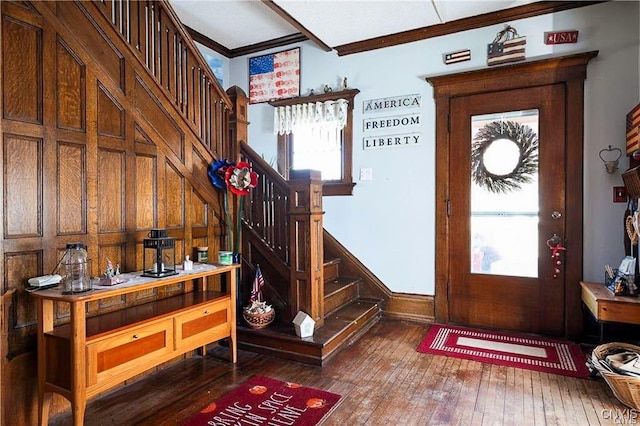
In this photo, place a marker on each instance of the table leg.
(601, 323)
(44, 402)
(233, 282)
(45, 324)
(202, 287)
(78, 362)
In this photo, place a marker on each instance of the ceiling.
(239, 27)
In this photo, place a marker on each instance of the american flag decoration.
(258, 283)
(506, 47)
(458, 56)
(274, 76)
(633, 130)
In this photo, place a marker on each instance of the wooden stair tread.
(338, 283)
(348, 314)
(332, 326)
(339, 327)
(333, 261)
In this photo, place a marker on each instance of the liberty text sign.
(391, 141)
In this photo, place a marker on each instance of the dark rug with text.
(266, 401)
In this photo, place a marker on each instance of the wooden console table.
(90, 355)
(605, 307)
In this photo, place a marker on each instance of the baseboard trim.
(410, 307)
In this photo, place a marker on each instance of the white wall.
(388, 223)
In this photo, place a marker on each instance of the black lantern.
(159, 257)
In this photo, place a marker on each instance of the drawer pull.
(206, 312)
(135, 336)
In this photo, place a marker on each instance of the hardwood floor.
(383, 381)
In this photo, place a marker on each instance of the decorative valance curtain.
(311, 115)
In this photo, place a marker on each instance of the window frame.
(342, 186)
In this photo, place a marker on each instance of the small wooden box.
(633, 130)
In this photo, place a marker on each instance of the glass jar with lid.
(75, 269)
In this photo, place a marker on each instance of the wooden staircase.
(348, 316)
(304, 267)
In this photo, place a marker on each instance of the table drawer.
(604, 306)
(203, 324)
(124, 354)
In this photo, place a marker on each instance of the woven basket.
(258, 321)
(625, 388)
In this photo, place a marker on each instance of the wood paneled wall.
(93, 151)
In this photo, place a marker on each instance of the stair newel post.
(306, 249)
(238, 131)
(238, 123)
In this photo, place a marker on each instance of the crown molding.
(479, 21)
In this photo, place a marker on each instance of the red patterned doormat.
(270, 402)
(509, 349)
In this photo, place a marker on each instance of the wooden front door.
(507, 201)
(515, 288)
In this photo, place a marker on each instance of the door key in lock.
(555, 245)
(554, 240)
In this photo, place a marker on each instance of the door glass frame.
(504, 205)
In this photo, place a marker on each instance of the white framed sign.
(391, 104)
(397, 122)
(392, 141)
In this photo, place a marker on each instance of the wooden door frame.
(571, 71)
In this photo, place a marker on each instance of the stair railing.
(159, 40)
(287, 218)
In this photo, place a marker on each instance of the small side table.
(605, 307)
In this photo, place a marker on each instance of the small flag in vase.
(258, 283)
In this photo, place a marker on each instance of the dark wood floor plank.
(571, 396)
(470, 373)
(401, 356)
(601, 397)
(375, 376)
(399, 347)
(425, 390)
(527, 389)
(494, 411)
(404, 386)
(538, 400)
(360, 364)
(382, 380)
(481, 400)
(587, 404)
(513, 397)
(551, 399)
(442, 413)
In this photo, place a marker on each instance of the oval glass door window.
(501, 157)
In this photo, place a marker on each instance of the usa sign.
(561, 37)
